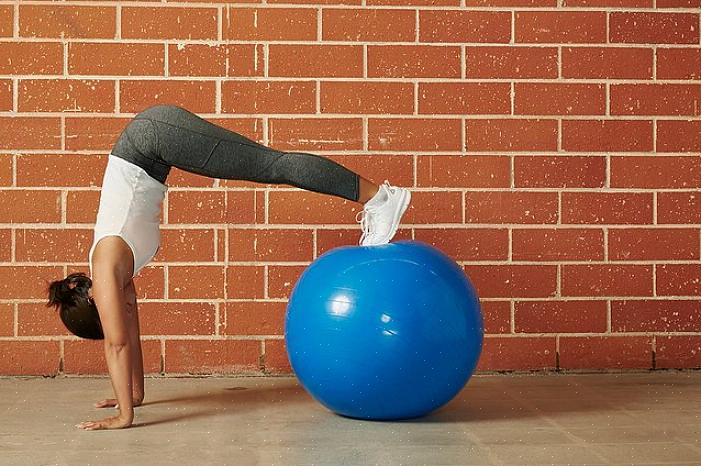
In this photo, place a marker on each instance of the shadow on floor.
(477, 402)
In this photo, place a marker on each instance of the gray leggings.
(165, 136)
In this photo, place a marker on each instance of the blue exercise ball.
(383, 332)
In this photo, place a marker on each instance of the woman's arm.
(137, 363)
(109, 296)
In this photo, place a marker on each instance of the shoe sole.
(397, 215)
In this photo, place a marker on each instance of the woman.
(127, 234)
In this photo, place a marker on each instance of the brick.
(468, 244)
(407, 2)
(449, 26)
(376, 167)
(186, 245)
(44, 358)
(560, 27)
(656, 172)
(34, 279)
(655, 99)
(606, 208)
(317, 61)
(559, 99)
(176, 318)
(371, 25)
(181, 178)
(678, 352)
(607, 135)
(55, 170)
(93, 133)
(511, 135)
(210, 207)
(561, 244)
(510, 207)
(575, 316)
(444, 171)
(275, 357)
(282, 279)
(169, 23)
(31, 58)
(30, 133)
(559, 172)
(228, 60)
(268, 97)
(654, 27)
(677, 3)
(413, 61)
(312, 134)
(306, 207)
(64, 245)
(678, 279)
(366, 97)
(150, 283)
(523, 353)
(81, 206)
(606, 280)
(649, 315)
(115, 59)
(434, 207)
(246, 281)
(678, 207)
(192, 282)
(196, 96)
(609, 3)
(24, 206)
(276, 245)
(653, 244)
(465, 98)
(416, 134)
(497, 317)
(35, 319)
(5, 95)
(679, 136)
(212, 356)
(513, 281)
(6, 241)
(254, 318)
(6, 165)
(606, 352)
(86, 357)
(7, 18)
(269, 24)
(69, 22)
(328, 239)
(7, 320)
(607, 62)
(679, 63)
(315, 2)
(511, 62)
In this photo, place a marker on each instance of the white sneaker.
(380, 216)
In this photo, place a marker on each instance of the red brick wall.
(554, 149)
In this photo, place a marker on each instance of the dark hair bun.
(65, 291)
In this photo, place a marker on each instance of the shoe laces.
(367, 221)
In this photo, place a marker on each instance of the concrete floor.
(651, 418)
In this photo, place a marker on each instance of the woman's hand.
(115, 422)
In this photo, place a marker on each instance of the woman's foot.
(381, 215)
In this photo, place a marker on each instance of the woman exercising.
(127, 236)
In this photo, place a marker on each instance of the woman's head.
(76, 307)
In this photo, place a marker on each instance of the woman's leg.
(184, 140)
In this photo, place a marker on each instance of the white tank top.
(130, 207)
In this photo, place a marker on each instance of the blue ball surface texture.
(384, 332)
